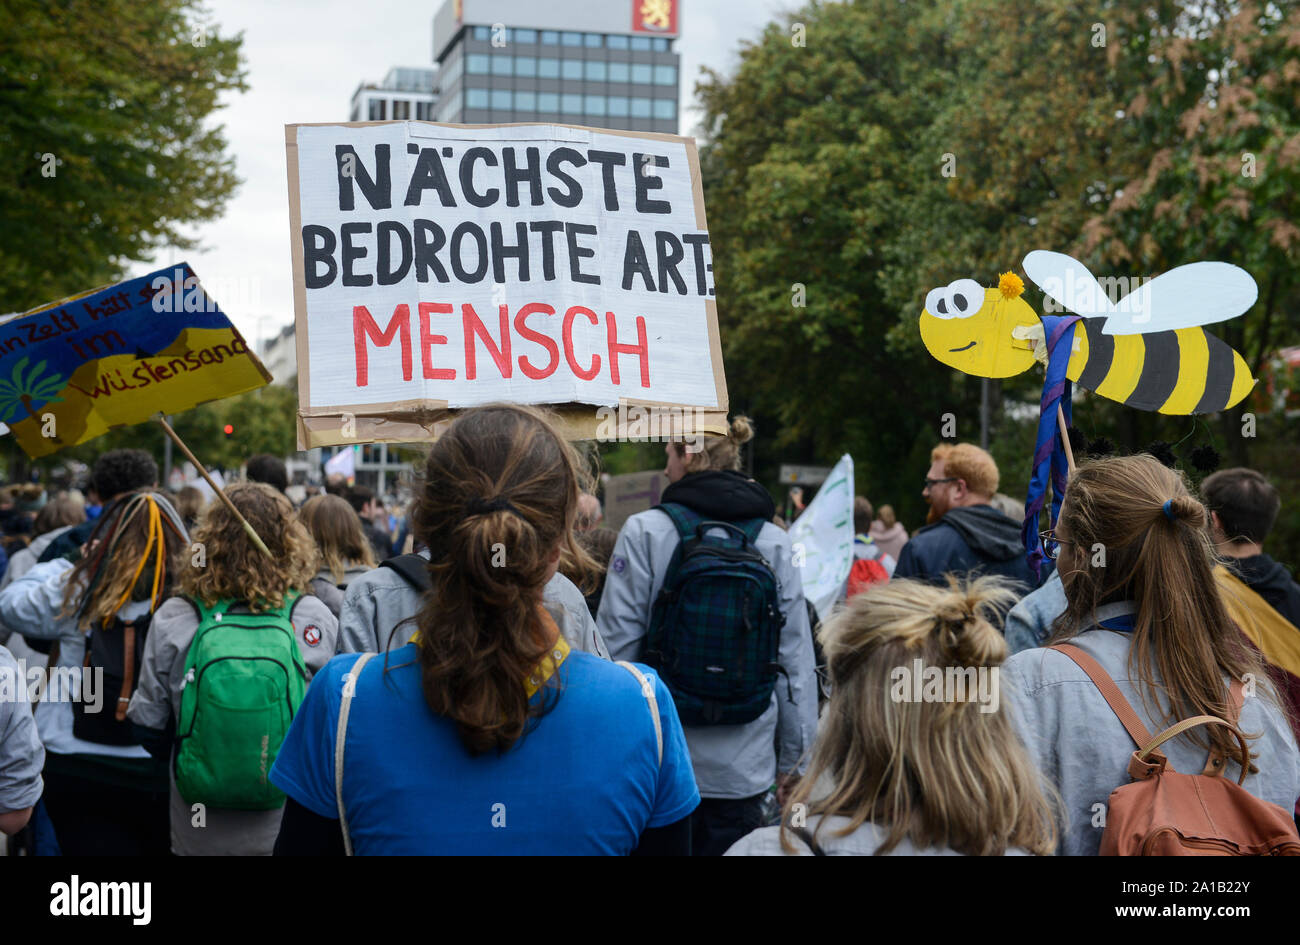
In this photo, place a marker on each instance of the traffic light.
(229, 430)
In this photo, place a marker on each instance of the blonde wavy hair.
(942, 773)
(232, 566)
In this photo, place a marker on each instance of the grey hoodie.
(378, 601)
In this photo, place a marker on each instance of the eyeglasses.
(1052, 544)
(931, 483)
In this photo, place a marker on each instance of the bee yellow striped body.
(1187, 371)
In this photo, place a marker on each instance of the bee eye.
(936, 303)
(964, 298)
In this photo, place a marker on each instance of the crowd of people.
(498, 672)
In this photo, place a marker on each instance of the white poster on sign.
(822, 538)
(444, 266)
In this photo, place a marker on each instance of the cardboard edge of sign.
(419, 420)
(424, 421)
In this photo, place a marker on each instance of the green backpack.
(244, 680)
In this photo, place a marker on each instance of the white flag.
(344, 462)
(822, 538)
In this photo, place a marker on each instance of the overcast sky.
(304, 59)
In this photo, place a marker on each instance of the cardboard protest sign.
(822, 538)
(443, 266)
(630, 493)
(72, 370)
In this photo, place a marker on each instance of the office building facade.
(608, 65)
(405, 94)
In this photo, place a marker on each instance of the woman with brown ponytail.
(906, 763)
(1136, 560)
(486, 733)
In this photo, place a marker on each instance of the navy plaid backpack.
(716, 625)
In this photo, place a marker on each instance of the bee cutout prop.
(1146, 351)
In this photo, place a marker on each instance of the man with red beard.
(964, 534)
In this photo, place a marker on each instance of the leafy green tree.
(910, 144)
(109, 150)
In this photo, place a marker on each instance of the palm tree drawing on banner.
(25, 388)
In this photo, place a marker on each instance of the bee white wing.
(1199, 293)
(1069, 283)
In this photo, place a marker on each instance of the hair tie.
(1169, 510)
(477, 506)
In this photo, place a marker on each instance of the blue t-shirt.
(585, 780)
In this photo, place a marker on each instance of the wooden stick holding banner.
(215, 488)
(1065, 437)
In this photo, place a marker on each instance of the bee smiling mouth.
(964, 348)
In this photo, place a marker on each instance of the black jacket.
(974, 539)
(1271, 581)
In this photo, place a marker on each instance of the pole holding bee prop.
(1146, 351)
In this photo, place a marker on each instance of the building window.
(593, 104)
(665, 108)
(451, 73)
(402, 110)
(424, 111)
(548, 68)
(592, 40)
(478, 98)
(525, 101)
(378, 109)
(571, 104)
(483, 33)
(642, 73)
(659, 43)
(618, 106)
(640, 108)
(501, 64)
(570, 39)
(640, 43)
(665, 75)
(525, 36)
(550, 38)
(477, 64)
(572, 69)
(595, 71)
(548, 101)
(616, 42)
(620, 72)
(526, 66)
(501, 100)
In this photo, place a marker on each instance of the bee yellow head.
(970, 328)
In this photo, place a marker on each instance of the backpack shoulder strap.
(648, 690)
(340, 739)
(751, 527)
(1109, 691)
(684, 519)
(413, 569)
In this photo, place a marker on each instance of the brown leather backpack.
(1164, 813)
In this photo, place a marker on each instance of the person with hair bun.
(894, 774)
(735, 764)
(1135, 557)
(486, 733)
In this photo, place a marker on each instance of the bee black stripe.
(1159, 371)
(1219, 375)
(1101, 351)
